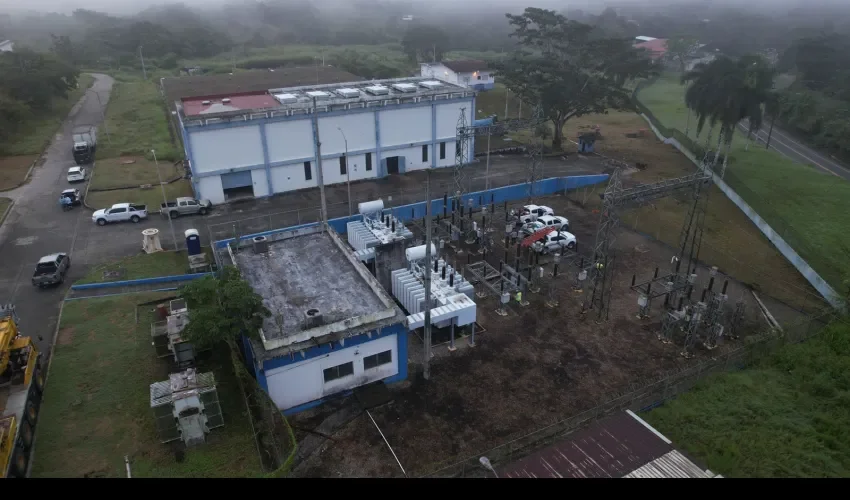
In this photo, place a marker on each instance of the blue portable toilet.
(193, 241)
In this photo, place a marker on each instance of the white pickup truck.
(120, 212)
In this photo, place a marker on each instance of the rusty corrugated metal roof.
(620, 446)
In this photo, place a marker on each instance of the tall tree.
(221, 308)
(568, 71)
(682, 49)
(726, 91)
(424, 43)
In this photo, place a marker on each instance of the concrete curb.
(7, 212)
(46, 380)
(803, 267)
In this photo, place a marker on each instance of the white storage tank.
(370, 207)
(418, 253)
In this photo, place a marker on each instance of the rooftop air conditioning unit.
(318, 94)
(377, 90)
(225, 100)
(286, 98)
(312, 318)
(404, 87)
(348, 93)
(430, 84)
(261, 244)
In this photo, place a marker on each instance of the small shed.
(586, 142)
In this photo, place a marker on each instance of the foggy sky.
(124, 7)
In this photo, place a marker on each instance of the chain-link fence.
(636, 399)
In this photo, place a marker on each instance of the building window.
(340, 371)
(308, 172)
(442, 150)
(342, 165)
(368, 161)
(479, 77)
(377, 360)
(425, 153)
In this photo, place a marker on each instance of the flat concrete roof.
(311, 271)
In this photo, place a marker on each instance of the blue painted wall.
(143, 281)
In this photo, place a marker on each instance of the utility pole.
(319, 176)
(165, 200)
(427, 348)
(487, 172)
(506, 102)
(770, 132)
(347, 170)
(142, 57)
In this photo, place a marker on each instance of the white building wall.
(291, 177)
(302, 382)
(356, 169)
(359, 130)
(290, 140)
(450, 153)
(405, 126)
(412, 157)
(210, 188)
(226, 148)
(260, 181)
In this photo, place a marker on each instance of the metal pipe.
(320, 173)
(656, 273)
(633, 280)
(164, 199)
(725, 284)
(444, 272)
(704, 290)
(445, 203)
(127, 465)
(387, 442)
(711, 283)
(427, 348)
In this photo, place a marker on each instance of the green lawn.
(167, 263)
(786, 417)
(96, 407)
(133, 171)
(4, 204)
(802, 203)
(137, 122)
(32, 137)
(152, 196)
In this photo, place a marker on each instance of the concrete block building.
(256, 144)
(333, 327)
(470, 73)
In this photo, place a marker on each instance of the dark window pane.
(368, 161)
(308, 172)
(425, 152)
(442, 150)
(342, 165)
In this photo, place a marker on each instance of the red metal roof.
(536, 236)
(657, 48)
(611, 448)
(193, 106)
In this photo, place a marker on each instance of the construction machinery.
(21, 387)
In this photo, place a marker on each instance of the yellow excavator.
(21, 387)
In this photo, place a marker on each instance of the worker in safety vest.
(518, 296)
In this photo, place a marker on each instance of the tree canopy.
(221, 308)
(681, 49)
(568, 71)
(424, 43)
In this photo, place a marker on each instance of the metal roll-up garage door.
(236, 180)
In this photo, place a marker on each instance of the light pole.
(487, 172)
(347, 170)
(102, 115)
(485, 462)
(165, 200)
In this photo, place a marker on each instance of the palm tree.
(726, 91)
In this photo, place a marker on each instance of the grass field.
(801, 203)
(96, 408)
(13, 169)
(152, 197)
(134, 171)
(785, 417)
(153, 265)
(32, 137)
(4, 204)
(137, 123)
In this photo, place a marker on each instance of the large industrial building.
(261, 143)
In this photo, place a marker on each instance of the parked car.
(184, 206)
(532, 227)
(532, 212)
(555, 242)
(76, 174)
(556, 221)
(120, 212)
(51, 270)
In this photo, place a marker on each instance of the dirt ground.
(529, 369)
(13, 169)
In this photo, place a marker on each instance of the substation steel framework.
(617, 198)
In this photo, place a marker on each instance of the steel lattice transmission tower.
(602, 260)
(464, 136)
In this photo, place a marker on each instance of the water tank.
(418, 253)
(193, 241)
(261, 244)
(370, 207)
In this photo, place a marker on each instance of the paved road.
(785, 144)
(37, 226)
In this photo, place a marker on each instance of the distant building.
(468, 73)
(657, 47)
(644, 38)
(7, 46)
(407, 18)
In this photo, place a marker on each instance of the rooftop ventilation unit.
(261, 244)
(312, 319)
(226, 100)
(206, 103)
(348, 93)
(377, 90)
(318, 94)
(286, 98)
(404, 87)
(430, 84)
